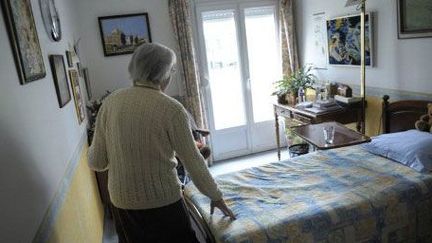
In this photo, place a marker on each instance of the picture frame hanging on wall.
(122, 34)
(343, 38)
(60, 79)
(86, 77)
(24, 40)
(320, 43)
(79, 68)
(78, 99)
(69, 59)
(414, 18)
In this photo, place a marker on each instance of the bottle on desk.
(301, 95)
(327, 90)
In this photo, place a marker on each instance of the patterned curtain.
(290, 62)
(181, 21)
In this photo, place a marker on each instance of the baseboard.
(49, 220)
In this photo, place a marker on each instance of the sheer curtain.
(290, 62)
(180, 14)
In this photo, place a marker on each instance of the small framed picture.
(60, 79)
(24, 40)
(79, 68)
(87, 82)
(121, 34)
(414, 18)
(69, 59)
(76, 90)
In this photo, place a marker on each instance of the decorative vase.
(291, 99)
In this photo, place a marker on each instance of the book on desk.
(322, 106)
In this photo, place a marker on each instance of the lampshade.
(350, 3)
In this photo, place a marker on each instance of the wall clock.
(51, 19)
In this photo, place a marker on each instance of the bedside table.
(348, 114)
(313, 134)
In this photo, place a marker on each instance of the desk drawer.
(303, 119)
(283, 112)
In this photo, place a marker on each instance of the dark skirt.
(170, 223)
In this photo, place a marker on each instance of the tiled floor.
(219, 168)
(253, 160)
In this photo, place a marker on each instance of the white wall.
(37, 138)
(109, 73)
(398, 64)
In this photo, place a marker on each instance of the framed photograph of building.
(60, 79)
(76, 90)
(24, 40)
(343, 38)
(414, 18)
(121, 34)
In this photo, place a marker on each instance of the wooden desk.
(348, 114)
(313, 134)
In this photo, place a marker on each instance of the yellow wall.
(81, 216)
(373, 116)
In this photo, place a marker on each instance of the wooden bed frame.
(199, 224)
(401, 115)
(396, 117)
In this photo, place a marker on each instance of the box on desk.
(347, 100)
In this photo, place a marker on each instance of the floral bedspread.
(339, 195)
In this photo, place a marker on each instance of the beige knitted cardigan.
(138, 132)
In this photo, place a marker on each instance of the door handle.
(205, 82)
(248, 84)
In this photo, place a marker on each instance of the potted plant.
(93, 108)
(282, 90)
(287, 88)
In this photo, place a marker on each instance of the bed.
(339, 195)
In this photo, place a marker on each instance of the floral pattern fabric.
(290, 62)
(339, 195)
(180, 15)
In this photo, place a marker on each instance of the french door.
(240, 60)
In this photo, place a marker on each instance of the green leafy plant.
(93, 108)
(302, 78)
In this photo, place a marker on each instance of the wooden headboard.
(401, 115)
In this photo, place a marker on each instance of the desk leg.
(277, 134)
(359, 121)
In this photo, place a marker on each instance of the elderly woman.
(138, 131)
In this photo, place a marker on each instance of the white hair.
(153, 63)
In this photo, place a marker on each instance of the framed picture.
(343, 36)
(60, 79)
(121, 34)
(87, 83)
(76, 90)
(69, 59)
(320, 41)
(24, 40)
(414, 18)
(79, 68)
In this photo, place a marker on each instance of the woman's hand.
(222, 207)
(199, 144)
